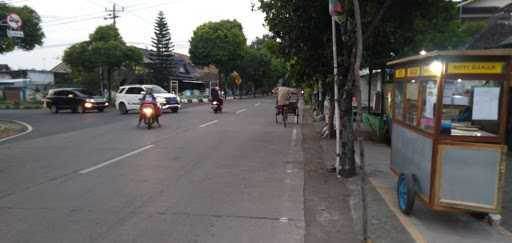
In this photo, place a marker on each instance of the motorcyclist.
(216, 95)
(149, 98)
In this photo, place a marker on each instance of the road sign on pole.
(14, 21)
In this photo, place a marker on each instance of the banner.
(336, 8)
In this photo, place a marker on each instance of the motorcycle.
(149, 114)
(217, 106)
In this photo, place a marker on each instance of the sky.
(66, 22)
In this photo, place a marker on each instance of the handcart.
(449, 129)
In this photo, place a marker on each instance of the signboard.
(486, 103)
(413, 72)
(14, 21)
(475, 67)
(400, 73)
(335, 8)
(238, 80)
(427, 71)
(15, 34)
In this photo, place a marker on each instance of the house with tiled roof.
(498, 33)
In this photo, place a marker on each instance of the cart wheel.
(406, 193)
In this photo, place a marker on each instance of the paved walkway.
(388, 224)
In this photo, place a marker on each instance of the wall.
(40, 78)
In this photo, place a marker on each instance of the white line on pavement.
(209, 123)
(257, 104)
(115, 160)
(294, 134)
(240, 111)
(29, 129)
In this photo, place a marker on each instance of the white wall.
(488, 3)
(40, 78)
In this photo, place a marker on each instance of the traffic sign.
(14, 21)
(15, 34)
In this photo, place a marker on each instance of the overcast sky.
(69, 21)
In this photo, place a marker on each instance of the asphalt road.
(201, 177)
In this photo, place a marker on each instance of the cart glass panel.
(399, 105)
(428, 94)
(471, 108)
(411, 114)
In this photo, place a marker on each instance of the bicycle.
(283, 111)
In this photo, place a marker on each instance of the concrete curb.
(29, 130)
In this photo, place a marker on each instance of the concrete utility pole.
(113, 14)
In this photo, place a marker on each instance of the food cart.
(449, 129)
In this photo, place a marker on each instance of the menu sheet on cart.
(486, 102)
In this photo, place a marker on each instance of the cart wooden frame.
(456, 166)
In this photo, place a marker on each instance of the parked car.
(74, 99)
(128, 98)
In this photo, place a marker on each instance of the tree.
(260, 67)
(103, 53)
(33, 33)
(218, 43)
(400, 27)
(162, 56)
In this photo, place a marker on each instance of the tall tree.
(103, 53)
(162, 56)
(303, 29)
(218, 43)
(32, 31)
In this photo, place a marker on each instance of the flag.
(335, 8)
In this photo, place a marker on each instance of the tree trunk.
(331, 120)
(357, 78)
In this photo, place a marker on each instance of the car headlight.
(88, 105)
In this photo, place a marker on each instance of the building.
(188, 79)
(24, 85)
(497, 33)
(480, 10)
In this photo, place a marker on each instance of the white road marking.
(29, 129)
(240, 111)
(209, 123)
(115, 160)
(284, 220)
(294, 135)
(257, 104)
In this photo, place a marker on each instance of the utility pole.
(113, 13)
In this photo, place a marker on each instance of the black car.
(74, 99)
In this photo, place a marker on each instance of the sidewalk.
(332, 206)
(388, 224)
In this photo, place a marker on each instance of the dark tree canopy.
(104, 50)
(162, 56)
(33, 33)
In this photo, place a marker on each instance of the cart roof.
(489, 52)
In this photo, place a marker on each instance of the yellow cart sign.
(400, 73)
(413, 72)
(475, 67)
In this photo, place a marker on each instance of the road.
(201, 177)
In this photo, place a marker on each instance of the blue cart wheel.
(406, 193)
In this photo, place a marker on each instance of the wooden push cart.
(449, 129)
